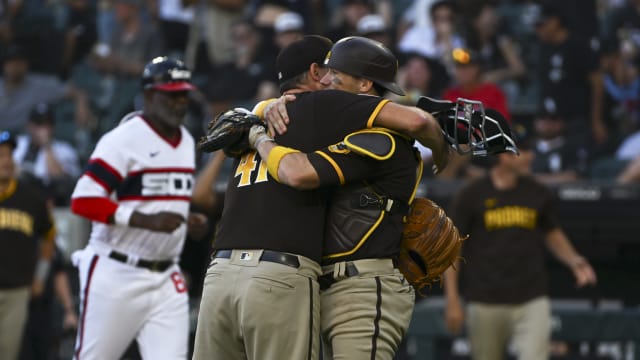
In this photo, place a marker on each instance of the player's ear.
(314, 71)
(364, 85)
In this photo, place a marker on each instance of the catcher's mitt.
(228, 131)
(430, 243)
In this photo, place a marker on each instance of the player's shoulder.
(331, 94)
(30, 193)
(480, 186)
(121, 136)
(530, 182)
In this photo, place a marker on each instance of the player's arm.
(47, 231)
(204, 195)
(91, 196)
(454, 313)
(419, 125)
(560, 246)
(322, 167)
(286, 165)
(408, 120)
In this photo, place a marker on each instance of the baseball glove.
(430, 243)
(228, 131)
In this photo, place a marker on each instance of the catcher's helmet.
(363, 57)
(166, 74)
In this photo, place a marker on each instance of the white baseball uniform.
(130, 284)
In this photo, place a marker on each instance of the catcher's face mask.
(469, 128)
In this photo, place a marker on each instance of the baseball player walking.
(137, 190)
(27, 241)
(380, 172)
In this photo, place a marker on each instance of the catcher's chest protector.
(354, 213)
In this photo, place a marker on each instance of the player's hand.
(197, 225)
(163, 221)
(70, 320)
(583, 272)
(454, 316)
(440, 158)
(276, 116)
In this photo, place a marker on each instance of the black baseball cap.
(296, 58)
(7, 138)
(42, 113)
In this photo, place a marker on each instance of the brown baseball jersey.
(260, 213)
(24, 221)
(369, 184)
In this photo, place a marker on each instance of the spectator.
(438, 40)
(556, 158)
(469, 84)
(21, 90)
(420, 76)
(621, 106)
(487, 36)
(36, 27)
(175, 17)
(81, 33)
(288, 27)
(122, 59)
(42, 158)
(27, 239)
(624, 19)
(569, 74)
(210, 42)
(509, 218)
(346, 18)
(372, 26)
(249, 78)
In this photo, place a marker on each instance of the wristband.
(122, 215)
(275, 156)
(259, 109)
(262, 138)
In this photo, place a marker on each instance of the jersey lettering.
(510, 217)
(246, 167)
(173, 184)
(16, 220)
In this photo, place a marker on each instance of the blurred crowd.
(564, 71)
